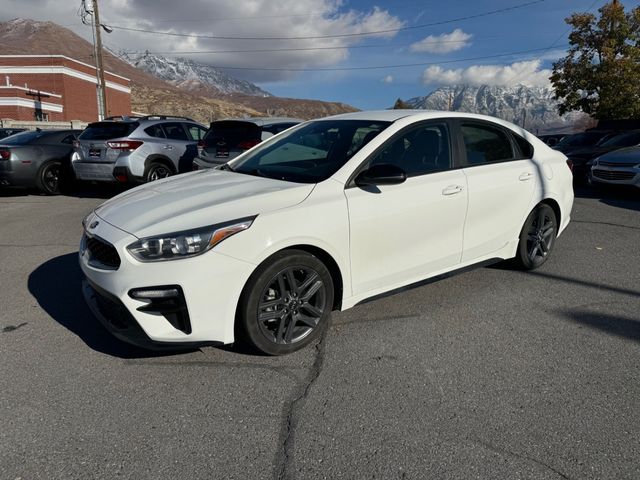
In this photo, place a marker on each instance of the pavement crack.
(504, 452)
(12, 328)
(609, 224)
(292, 411)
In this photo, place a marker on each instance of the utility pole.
(102, 86)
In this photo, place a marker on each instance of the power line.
(343, 35)
(378, 67)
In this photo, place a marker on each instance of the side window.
(419, 151)
(486, 144)
(196, 132)
(68, 139)
(174, 131)
(155, 131)
(526, 149)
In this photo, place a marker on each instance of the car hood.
(630, 155)
(196, 200)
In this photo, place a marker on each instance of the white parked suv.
(136, 149)
(323, 216)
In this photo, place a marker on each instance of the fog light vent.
(167, 301)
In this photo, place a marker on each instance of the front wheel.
(49, 178)
(537, 237)
(286, 303)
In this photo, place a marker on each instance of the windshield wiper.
(227, 167)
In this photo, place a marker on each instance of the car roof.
(395, 115)
(261, 120)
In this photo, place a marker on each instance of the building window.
(41, 116)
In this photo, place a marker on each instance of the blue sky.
(208, 31)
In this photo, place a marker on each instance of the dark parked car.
(582, 158)
(226, 139)
(39, 158)
(7, 132)
(552, 139)
(578, 141)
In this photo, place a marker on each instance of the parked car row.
(128, 150)
(602, 156)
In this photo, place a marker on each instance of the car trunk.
(92, 143)
(227, 139)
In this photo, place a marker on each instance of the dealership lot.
(490, 374)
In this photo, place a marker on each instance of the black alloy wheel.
(286, 302)
(49, 178)
(537, 238)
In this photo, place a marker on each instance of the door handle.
(452, 190)
(168, 147)
(525, 176)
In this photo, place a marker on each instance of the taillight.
(247, 144)
(5, 154)
(200, 147)
(570, 164)
(129, 145)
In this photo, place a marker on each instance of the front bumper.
(211, 285)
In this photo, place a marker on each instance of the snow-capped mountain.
(192, 76)
(533, 107)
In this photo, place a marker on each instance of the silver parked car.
(136, 149)
(620, 167)
(226, 139)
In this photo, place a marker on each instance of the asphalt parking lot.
(491, 374)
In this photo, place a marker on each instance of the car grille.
(615, 164)
(102, 254)
(613, 175)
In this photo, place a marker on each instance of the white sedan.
(321, 217)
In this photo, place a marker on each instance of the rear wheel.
(286, 303)
(49, 177)
(537, 237)
(156, 171)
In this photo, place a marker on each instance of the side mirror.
(381, 174)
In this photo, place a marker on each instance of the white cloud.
(230, 18)
(444, 43)
(519, 73)
(387, 79)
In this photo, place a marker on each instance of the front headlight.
(186, 244)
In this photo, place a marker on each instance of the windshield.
(623, 140)
(581, 139)
(311, 152)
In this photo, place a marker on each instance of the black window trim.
(188, 125)
(517, 154)
(454, 148)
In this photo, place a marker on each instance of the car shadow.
(615, 196)
(615, 325)
(56, 285)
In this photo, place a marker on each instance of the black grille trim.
(613, 175)
(102, 254)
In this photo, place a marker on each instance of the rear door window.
(155, 131)
(108, 130)
(486, 144)
(174, 131)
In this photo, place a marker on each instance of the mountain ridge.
(534, 108)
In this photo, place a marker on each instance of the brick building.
(57, 88)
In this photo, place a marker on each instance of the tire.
(157, 171)
(286, 303)
(537, 238)
(49, 179)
